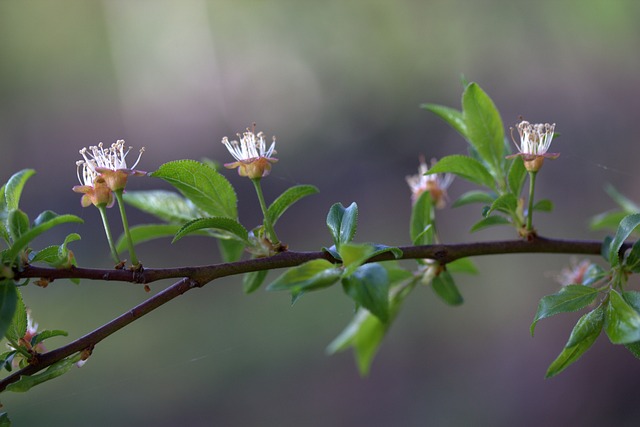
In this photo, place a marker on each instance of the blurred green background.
(339, 83)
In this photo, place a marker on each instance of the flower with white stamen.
(535, 140)
(253, 159)
(436, 184)
(110, 164)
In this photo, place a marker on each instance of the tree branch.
(194, 277)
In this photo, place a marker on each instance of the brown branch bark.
(194, 277)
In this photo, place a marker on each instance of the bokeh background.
(339, 83)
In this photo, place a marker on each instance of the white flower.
(436, 184)
(253, 159)
(107, 166)
(535, 140)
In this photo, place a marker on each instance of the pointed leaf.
(444, 286)
(146, 232)
(13, 187)
(490, 221)
(517, 175)
(608, 220)
(311, 275)
(18, 223)
(622, 322)
(235, 229)
(422, 217)
(18, 326)
(368, 286)
(46, 334)
(342, 223)
(627, 225)
(485, 131)
(452, 116)
(474, 196)
(544, 205)
(569, 298)
(26, 383)
(466, 168)
(507, 203)
(251, 281)
(288, 198)
(201, 184)
(626, 204)
(166, 205)
(8, 304)
(462, 265)
(587, 329)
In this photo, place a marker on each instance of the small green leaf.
(485, 131)
(18, 223)
(569, 298)
(489, 221)
(422, 217)
(26, 383)
(5, 421)
(622, 322)
(354, 255)
(507, 203)
(607, 220)
(206, 188)
(544, 205)
(626, 204)
(13, 188)
(27, 237)
(465, 167)
(8, 304)
(632, 260)
(627, 225)
(452, 116)
(368, 286)
(288, 198)
(582, 337)
(342, 223)
(444, 286)
(309, 276)
(46, 334)
(44, 217)
(251, 281)
(18, 326)
(230, 249)
(474, 196)
(165, 205)
(233, 227)
(146, 232)
(517, 175)
(462, 265)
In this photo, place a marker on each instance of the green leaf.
(354, 255)
(626, 204)
(57, 256)
(233, 227)
(632, 260)
(4, 420)
(364, 334)
(44, 217)
(507, 203)
(231, 249)
(485, 131)
(342, 223)
(45, 335)
(27, 237)
(8, 304)
(462, 265)
(450, 115)
(13, 187)
(474, 196)
(489, 221)
(422, 217)
(622, 322)
(607, 220)
(627, 225)
(465, 167)
(165, 205)
(205, 187)
(26, 383)
(569, 298)
(582, 337)
(18, 326)
(146, 232)
(368, 286)
(251, 281)
(544, 205)
(517, 175)
(288, 198)
(444, 286)
(312, 275)
(18, 223)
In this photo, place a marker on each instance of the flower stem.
(271, 233)
(107, 230)
(532, 187)
(125, 225)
